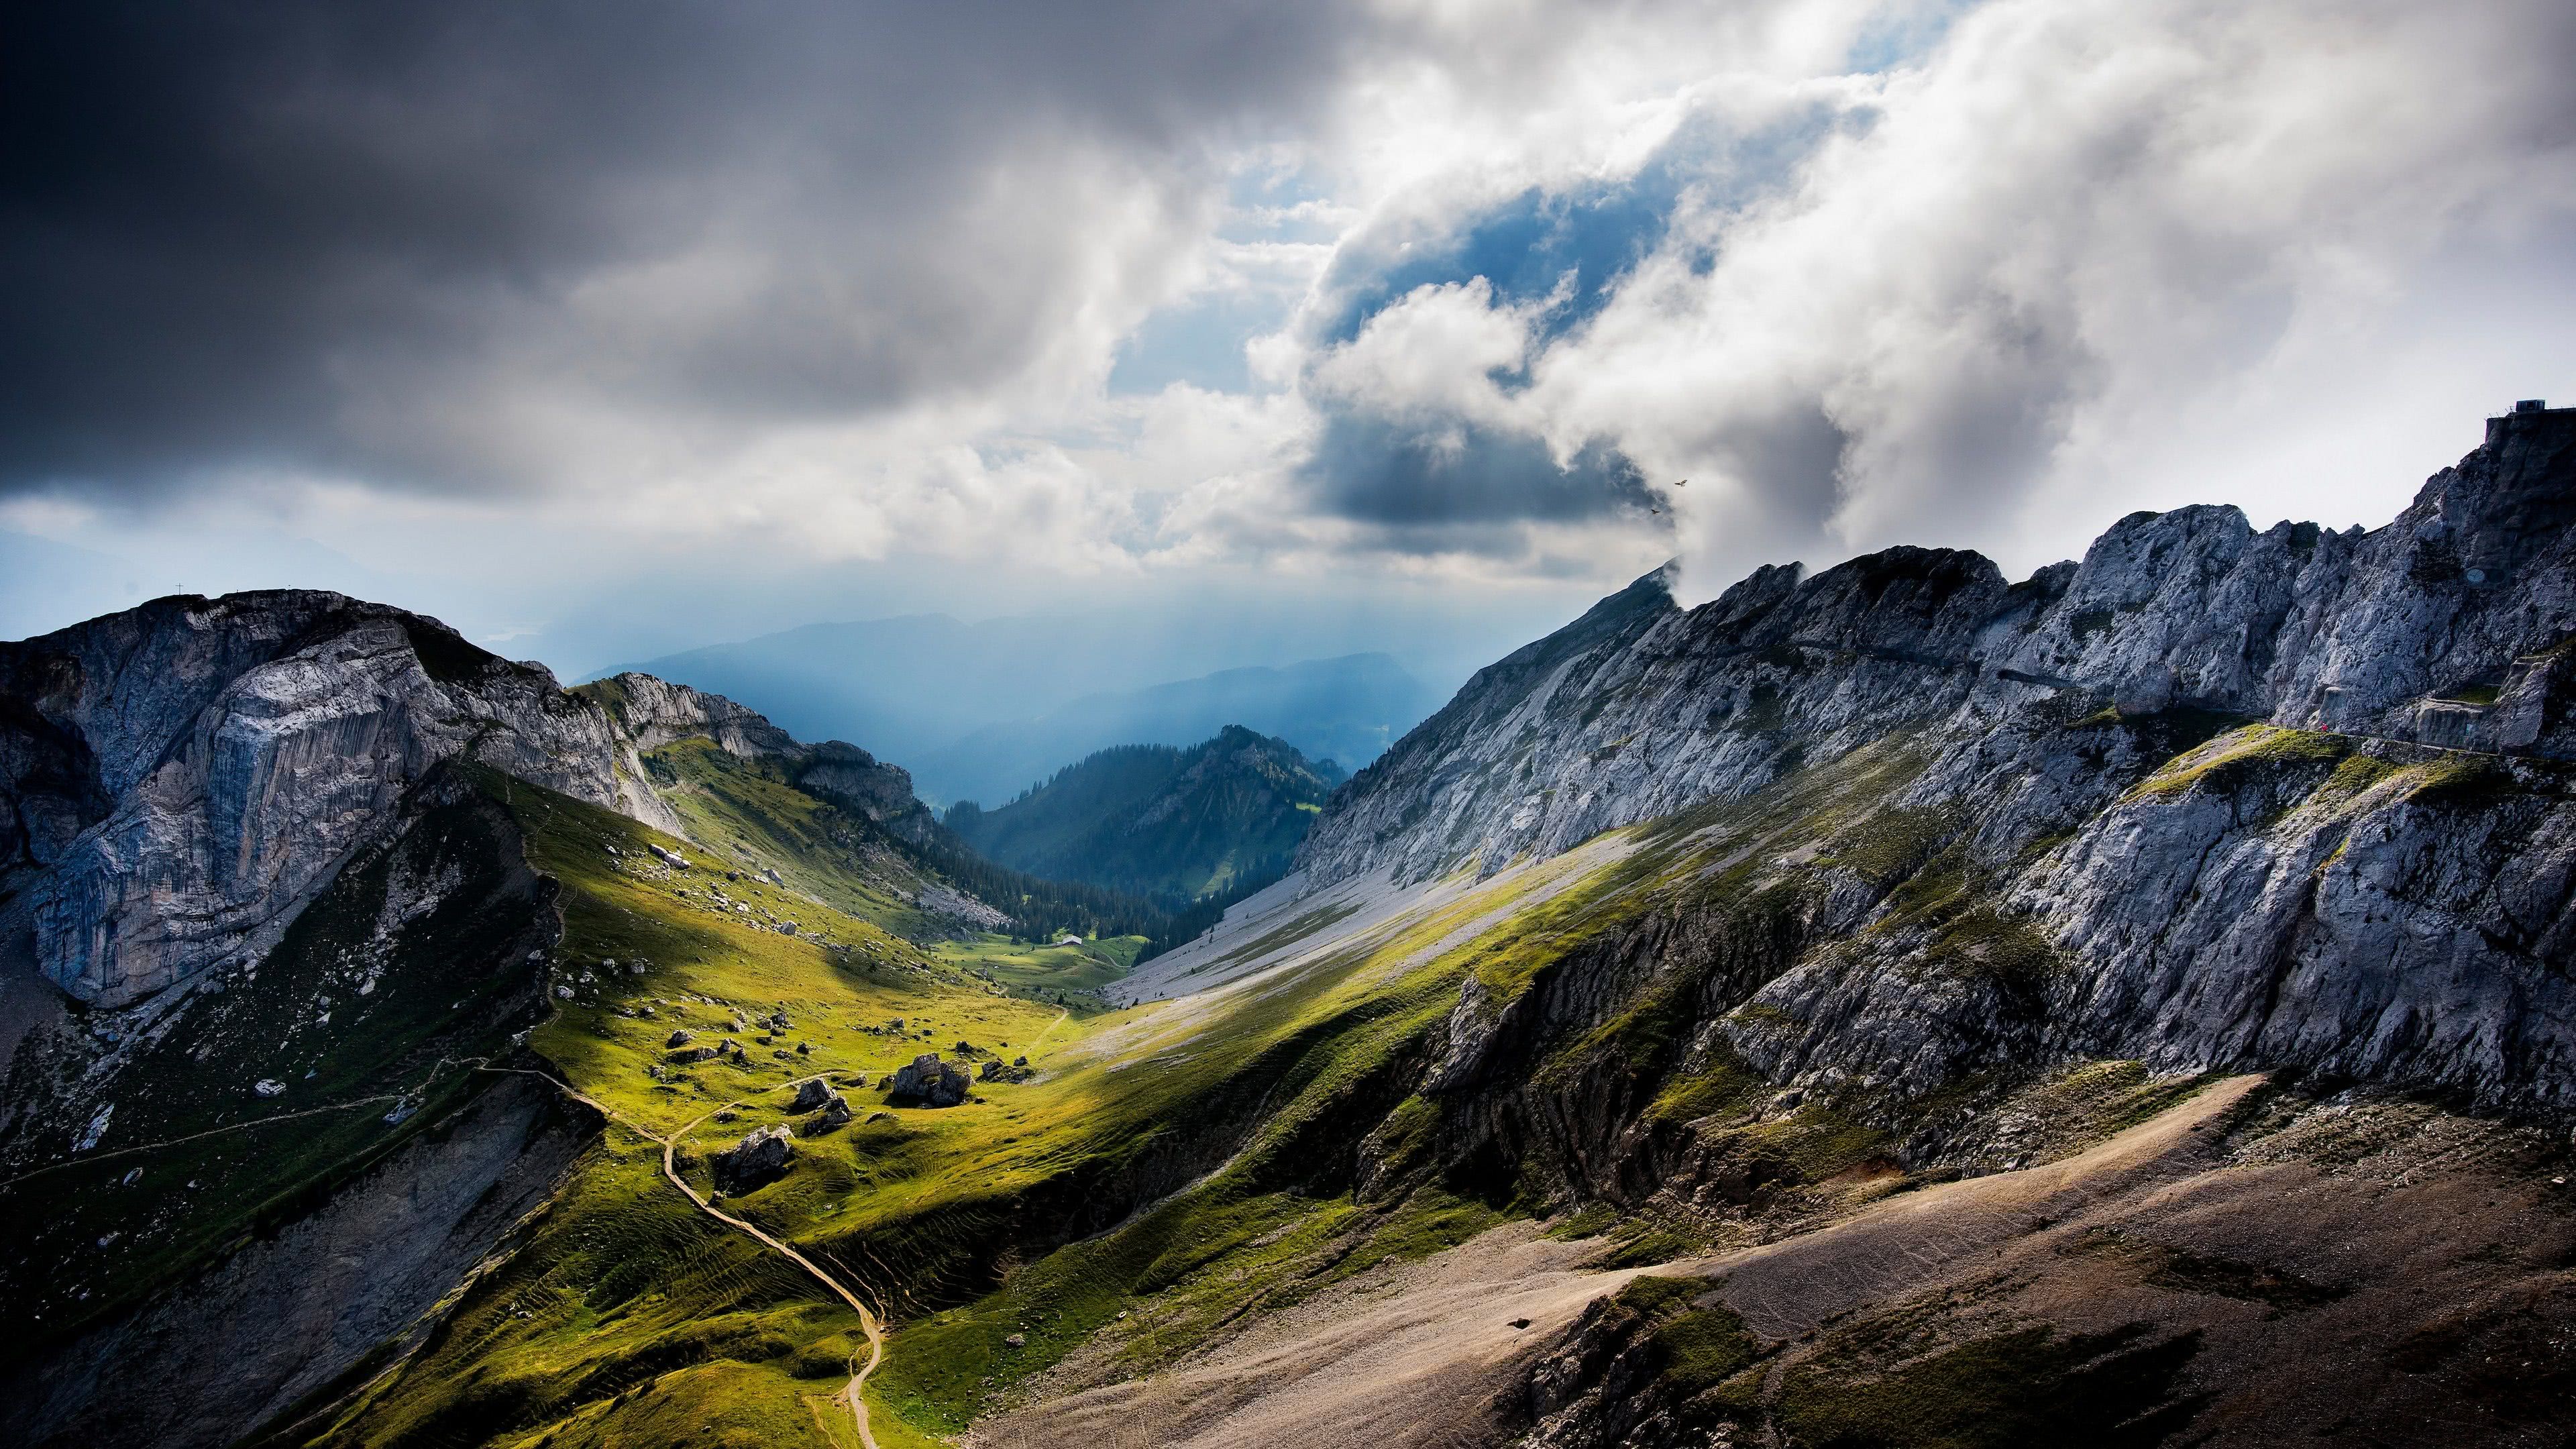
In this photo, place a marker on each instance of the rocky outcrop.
(760, 1158)
(926, 1081)
(855, 780)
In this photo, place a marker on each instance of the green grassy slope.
(1171, 1170)
(636, 1314)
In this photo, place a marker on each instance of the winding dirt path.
(670, 1168)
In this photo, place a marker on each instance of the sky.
(604, 332)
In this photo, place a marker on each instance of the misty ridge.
(985, 711)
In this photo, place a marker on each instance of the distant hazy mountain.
(1158, 820)
(901, 686)
(1345, 710)
(982, 711)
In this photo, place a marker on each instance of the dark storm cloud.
(321, 236)
(1453, 488)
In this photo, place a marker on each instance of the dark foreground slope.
(1161, 821)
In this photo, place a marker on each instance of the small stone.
(1016, 1340)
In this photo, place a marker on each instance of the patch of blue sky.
(1584, 239)
(1266, 203)
(1900, 35)
(1199, 341)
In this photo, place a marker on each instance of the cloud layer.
(1423, 288)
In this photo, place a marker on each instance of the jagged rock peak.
(2448, 626)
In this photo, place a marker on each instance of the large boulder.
(810, 1095)
(758, 1159)
(836, 1113)
(929, 1082)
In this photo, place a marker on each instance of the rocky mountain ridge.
(178, 780)
(2211, 797)
(2448, 626)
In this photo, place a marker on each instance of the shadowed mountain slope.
(1161, 821)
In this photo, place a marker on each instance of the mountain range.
(1889, 1006)
(1159, 820)
(982, 711)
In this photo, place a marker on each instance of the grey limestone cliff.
(2221, 796)
(177, 781)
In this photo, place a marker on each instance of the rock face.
(1640, 707)
(2218, 797)
(759, 1159)
(178, 781)
(927, 1081)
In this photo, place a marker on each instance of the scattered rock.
(268, 1087)
(681, 1038)
(882, 1117)
(836, 1113)
(995, 1071)
(1016, 1340)
(810, 1095)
